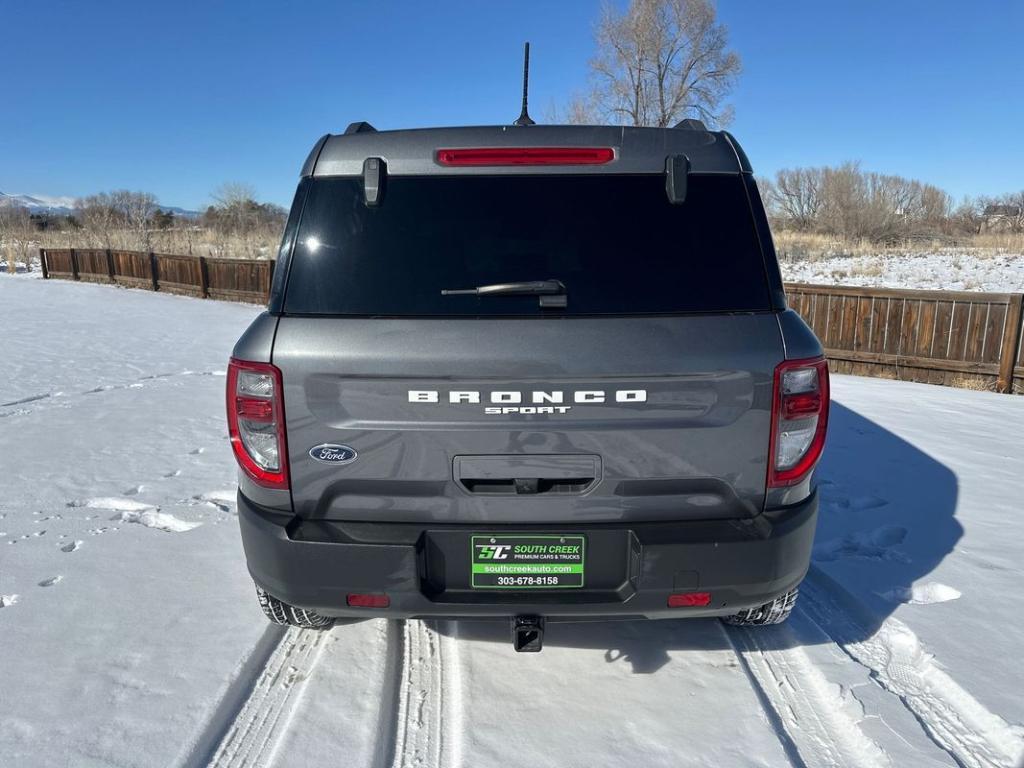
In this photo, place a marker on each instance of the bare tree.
(658, 62)
(796, 196)
(240, 224)
(99, 218)
(233, 195)
(118, 219)
(935, 207)
(136, 209)
(844, 191)
(969, 216)
(579, 111)
(16, 235)
(189, 231)
(847, 202)
(1015, 200)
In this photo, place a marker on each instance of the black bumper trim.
(315, 564)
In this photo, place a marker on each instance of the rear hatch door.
(645, 398)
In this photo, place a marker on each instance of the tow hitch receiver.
(528, 634)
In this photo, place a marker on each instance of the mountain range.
(63, 206)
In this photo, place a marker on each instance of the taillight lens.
(799, 420)
(256, 422)
(481, 156)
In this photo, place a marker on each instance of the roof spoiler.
(359, 127)
(690, 124)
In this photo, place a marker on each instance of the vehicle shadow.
(887, 519)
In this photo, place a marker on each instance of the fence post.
(204, 277)
(74, 264)
(154, 271)
(110, 265)
(270, 277)
(1011, 338)
(42, 264)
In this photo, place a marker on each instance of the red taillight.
(800, 400)
(256, 422)
(526, 156)
(253, 409)
(795, 406)
(368, 601)
(689, 600)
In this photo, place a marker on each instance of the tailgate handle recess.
(527, 486)
(527, 475)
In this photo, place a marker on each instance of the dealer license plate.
(527, 561)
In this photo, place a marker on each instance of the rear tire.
(280, 612)
(775, 612)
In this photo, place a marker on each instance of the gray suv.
(527, 372)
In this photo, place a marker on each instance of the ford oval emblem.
(331, 453)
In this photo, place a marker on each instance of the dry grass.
(1006, 242)
(797, 246)
(808, 246)
(869, 270)
(977, 383)
(198, 242)
(791, 246)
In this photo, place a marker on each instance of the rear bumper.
(742, 563)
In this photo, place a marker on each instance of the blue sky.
(178, 97)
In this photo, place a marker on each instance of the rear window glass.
(615, 242)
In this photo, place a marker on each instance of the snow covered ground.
(944, 269)
(129, 635)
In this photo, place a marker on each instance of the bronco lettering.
(514, 397)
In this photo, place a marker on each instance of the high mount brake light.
(800, 400)
(495, 156)
(256, 422)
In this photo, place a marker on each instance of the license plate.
(527, 562)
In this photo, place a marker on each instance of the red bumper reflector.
(368, 601)
(526, 156)
(689, 600)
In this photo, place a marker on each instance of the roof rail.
(690, 124)
(360, 127)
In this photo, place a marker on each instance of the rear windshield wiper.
(529, 288)
(552, 292)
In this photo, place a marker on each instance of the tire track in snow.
(428, 712)
(391, 691)
(234, 698)
(29, 399)
(451, 698)
(251, 738)
(954, 720)
(62, 397)
(420, 714)
(806, 710)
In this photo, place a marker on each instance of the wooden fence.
(246, 280)
(938, 337)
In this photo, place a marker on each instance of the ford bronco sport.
(541, 372)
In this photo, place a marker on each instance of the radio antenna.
(524, 116)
